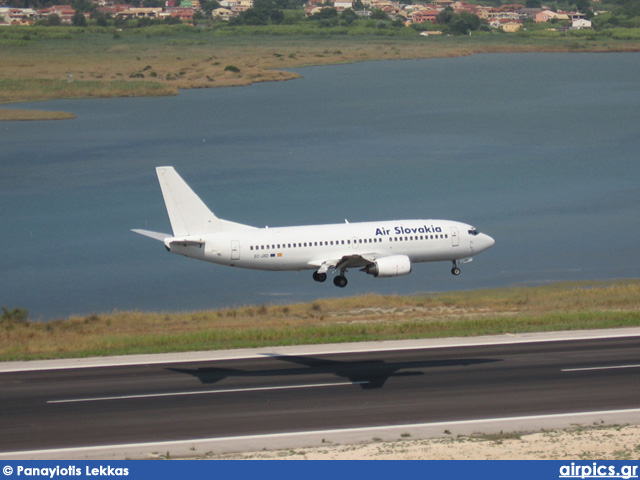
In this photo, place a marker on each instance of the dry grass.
(27, 115)
(371, 317)
(583, 443)
(160, 61)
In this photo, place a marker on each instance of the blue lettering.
(410, 230)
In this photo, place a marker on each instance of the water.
(537, 150)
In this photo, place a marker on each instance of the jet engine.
(392, 266)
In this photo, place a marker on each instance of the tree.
(79, 20)
(583, 6)
(101, 19)
(14, 316)
(326, 13)
(349, 16)
(207, 6)
(53, 20)
(379, 14)
(444, 17)
(533, 4)
(83, 6)
(459, 23)
(263, 12)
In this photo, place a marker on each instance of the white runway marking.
(205, 392)
(586, 369)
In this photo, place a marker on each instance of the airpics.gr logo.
(597, 470)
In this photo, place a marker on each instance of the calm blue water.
(538, 150)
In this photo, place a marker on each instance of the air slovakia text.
(400, 230)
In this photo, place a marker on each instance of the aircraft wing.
(347, 261)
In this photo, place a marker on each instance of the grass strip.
(567, 306)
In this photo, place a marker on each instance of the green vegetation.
(62, 62)
(372, 317)
(111, 57)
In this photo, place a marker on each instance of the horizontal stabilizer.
(155, 235)
(184, 242)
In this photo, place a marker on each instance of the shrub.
(14, 316)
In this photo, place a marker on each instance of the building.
(65, 12)
(140, 12)
(580, 24)
(222, 14)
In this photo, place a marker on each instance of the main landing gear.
(319, 277)
(455, 270)
(338, 281)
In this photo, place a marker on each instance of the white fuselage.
(307, 247)
(382, 249)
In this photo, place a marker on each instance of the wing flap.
(346, 261)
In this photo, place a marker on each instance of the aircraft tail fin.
(188, 214)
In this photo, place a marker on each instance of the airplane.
(382, 249)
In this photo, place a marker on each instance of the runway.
(272, 394)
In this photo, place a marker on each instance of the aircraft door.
(354, 243)
(235, 250)
(455, 240)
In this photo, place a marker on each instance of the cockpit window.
(473, 232)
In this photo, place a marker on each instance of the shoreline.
(143, 68)
(515, 310)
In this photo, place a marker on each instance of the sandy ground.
(611, 443)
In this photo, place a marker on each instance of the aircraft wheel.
(319, 277)
(340, 281)
(455, 271)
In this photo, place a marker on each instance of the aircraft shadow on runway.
(368, 374)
